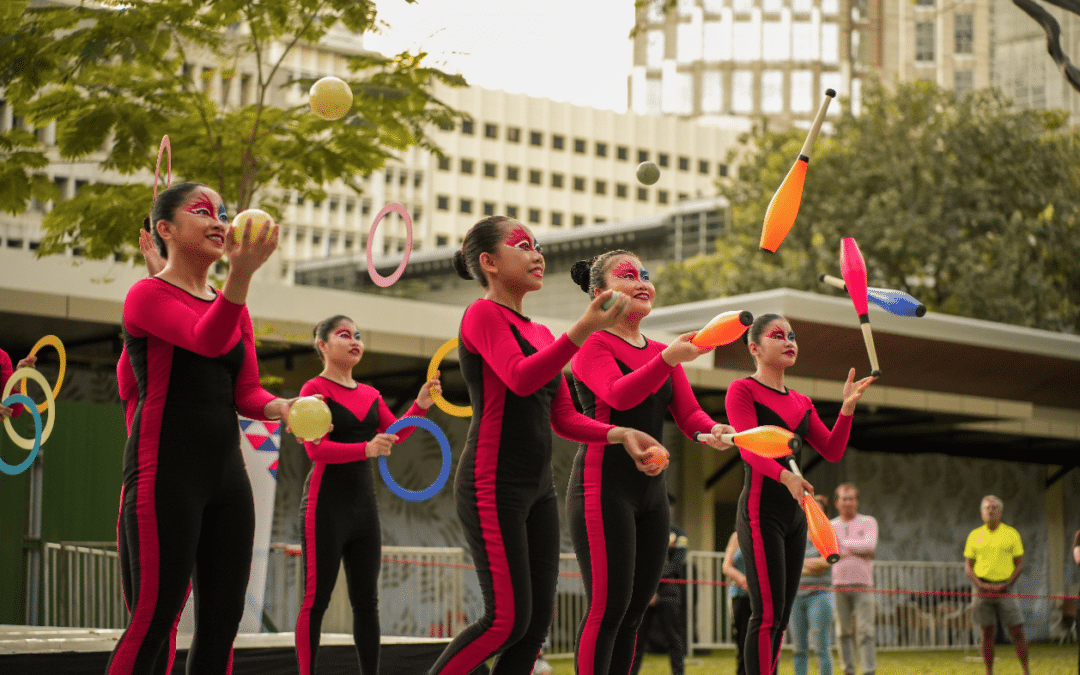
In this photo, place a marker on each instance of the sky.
(576, 51)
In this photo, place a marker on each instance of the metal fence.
(422, 593)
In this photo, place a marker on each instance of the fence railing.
(422, 594)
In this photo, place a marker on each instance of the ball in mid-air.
(330, 98)
(252, 224)
(648, 173)
(309, 418)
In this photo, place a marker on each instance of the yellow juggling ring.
(22, 374)
(433, 367)
(48, 340)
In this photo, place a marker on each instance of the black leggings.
(772, 537)
(619, 523)
(340, 526)
(513, 533)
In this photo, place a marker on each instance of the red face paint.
(518, 238)
(778, 334)
(204, 206)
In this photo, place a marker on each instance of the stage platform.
(38, 650)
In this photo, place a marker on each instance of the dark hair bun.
(459, 265)
(579, 272)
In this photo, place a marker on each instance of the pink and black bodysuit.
(187, 502)
(504, 489)
(340, 518)
(770, 523)
(619, 517)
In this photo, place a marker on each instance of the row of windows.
(468, 206)
(558, 180)
(963, 37)
(581, 146)
(531, 215)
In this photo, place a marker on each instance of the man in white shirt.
(853, 577)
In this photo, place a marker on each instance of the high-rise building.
(775, 58)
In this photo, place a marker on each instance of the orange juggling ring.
(53, 341)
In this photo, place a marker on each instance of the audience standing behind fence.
(853, 579)
(994, 557)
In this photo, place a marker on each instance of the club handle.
(868, 338)
(811, 138)
(835, 282)
(795, 470)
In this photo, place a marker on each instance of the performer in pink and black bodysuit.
(619, 516)
(770, 521)
(7, 371)
(504, 487)
(339, 512)
(187, 503)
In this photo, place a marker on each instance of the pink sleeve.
(567, 422)
(595, 366)
(151, 309)
(830, 444)
(685, 408)
(386, 418)
(486, 332)
(6, 371)
(128, 386)
(741, 414)
(249, 395)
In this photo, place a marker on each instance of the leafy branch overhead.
(969, 205)
(115, 78)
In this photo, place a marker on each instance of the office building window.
(622, 153)
(621, 190)
(924, 41)
(467, 166)
(536, 138)
(536, 177)
(534, 215)
(579, 184)
(663, 159)
(491, 130)
(642, 156)
(556, 219)
(442, 240)
(601, 149)
(578, 220)
(511, 211)
(557, 180)
(601, 187)
(703, 166)
(465, 206)
(684, 164)
(442, 202)
(444, 163)
(513, 134)
(558, 142)
(489, 208)
(643, 194)
(661, 196)
(467, 127)
(721, 169)
(964, 27)
(579, 146)
(513, 174)
(491, 169)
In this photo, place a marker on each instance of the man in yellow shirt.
(995, 558)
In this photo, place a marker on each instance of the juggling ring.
(444, 473)
(49, 340)
(28, 403)
(24, 443)
(375, 276)
(433, 367)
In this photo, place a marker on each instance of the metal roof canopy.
(949, 384)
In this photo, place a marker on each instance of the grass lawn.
(1044, 659)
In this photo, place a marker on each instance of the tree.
(968, 205)
(114, 78)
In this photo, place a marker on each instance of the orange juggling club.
(853, 269)
(783, 208)
(723, 329)
(817, 524)
(767, 441)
